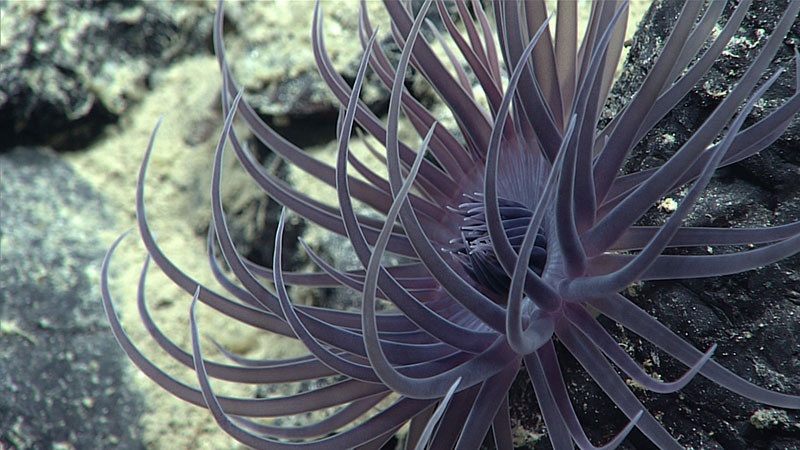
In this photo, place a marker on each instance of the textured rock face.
(72, 68)
(60, 372)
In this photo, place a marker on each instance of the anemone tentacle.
(517, 229)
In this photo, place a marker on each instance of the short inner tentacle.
(474, 249)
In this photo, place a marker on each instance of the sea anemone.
(517, 231)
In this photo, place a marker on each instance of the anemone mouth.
(475, 252)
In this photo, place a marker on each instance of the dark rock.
(60, 368)
(70, 68)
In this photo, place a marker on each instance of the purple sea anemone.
(518, 232)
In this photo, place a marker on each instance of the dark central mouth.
(476, 253)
